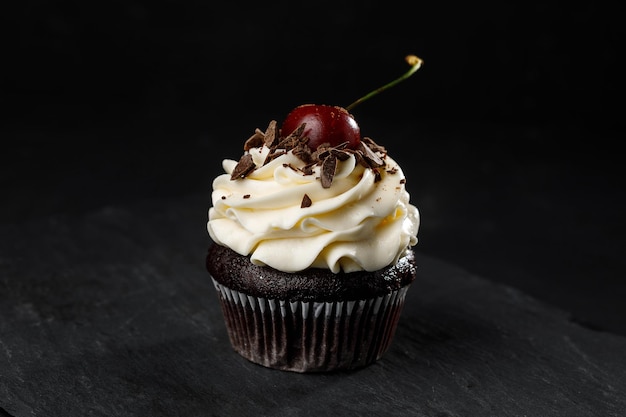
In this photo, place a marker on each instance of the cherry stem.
(415, 64)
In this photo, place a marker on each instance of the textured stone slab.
(112, 314)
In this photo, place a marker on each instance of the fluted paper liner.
(310, 336)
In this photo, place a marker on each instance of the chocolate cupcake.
(311, 321)
(312, 253)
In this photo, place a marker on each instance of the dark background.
(508, 134)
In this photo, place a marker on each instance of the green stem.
(415, 63)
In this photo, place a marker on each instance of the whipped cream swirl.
(364, 221)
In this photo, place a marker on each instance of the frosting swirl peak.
(334, 208)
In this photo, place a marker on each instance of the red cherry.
(324, 123)
(333, 124)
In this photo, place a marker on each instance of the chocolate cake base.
(313, 321)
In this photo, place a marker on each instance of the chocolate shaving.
(328, 170)
(320, 153)
(339, 154)
(374, 146)
(243, 167)
(360, 160)
(275, 153)
(283, 146)
(254, 141)
(368, 154)
(306, 202)
(271, 135)
(303, 152)
(294, 139)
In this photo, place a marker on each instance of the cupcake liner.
(309, 336)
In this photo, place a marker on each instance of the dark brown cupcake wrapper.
(310, 336)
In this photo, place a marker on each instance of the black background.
(508, 134)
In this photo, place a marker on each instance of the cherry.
(324, 124)
(333, 124)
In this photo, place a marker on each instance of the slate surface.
(110, 313)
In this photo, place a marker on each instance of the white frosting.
(355, 224)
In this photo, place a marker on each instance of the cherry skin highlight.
(324, 124)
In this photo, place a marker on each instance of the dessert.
(312, 234)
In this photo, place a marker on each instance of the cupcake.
(312, 234)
